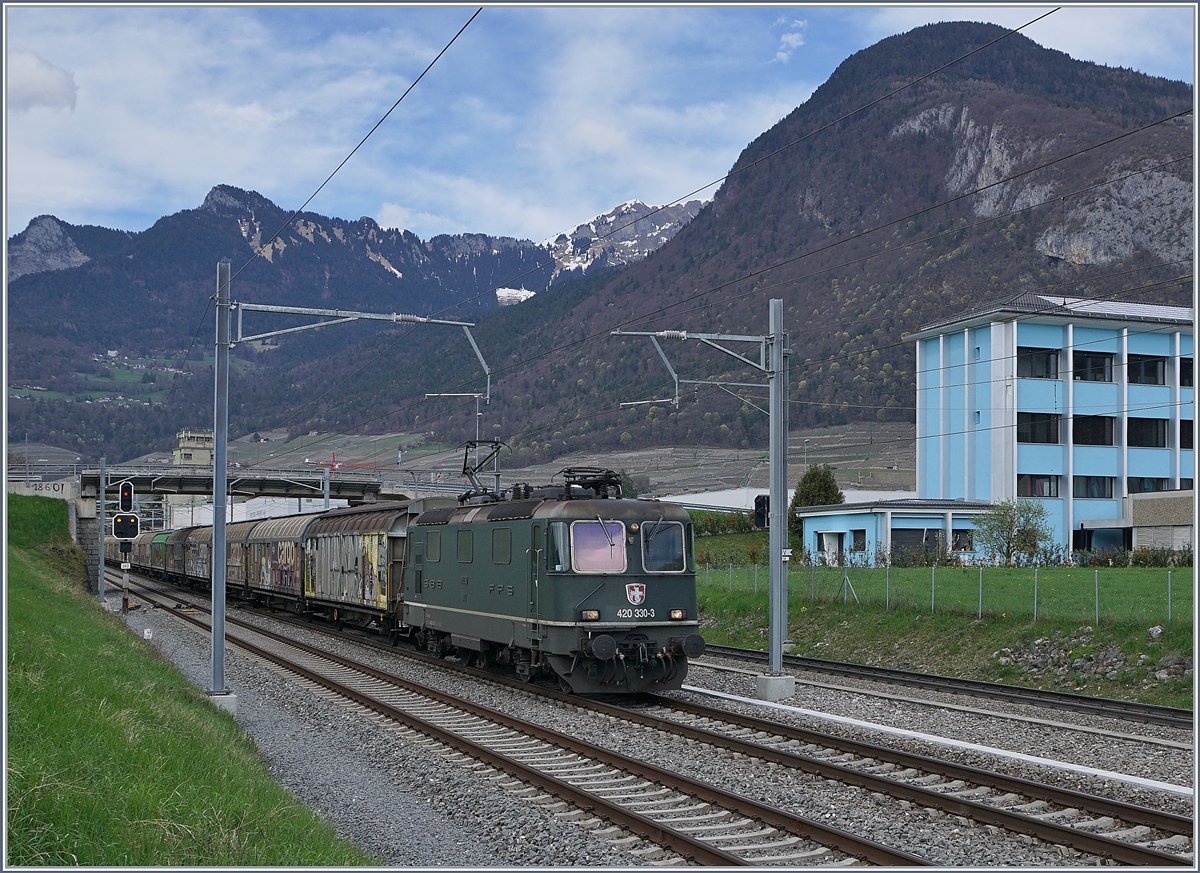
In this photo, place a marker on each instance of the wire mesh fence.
(1113, 594)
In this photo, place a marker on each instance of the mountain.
(624, 235)
(867, 222)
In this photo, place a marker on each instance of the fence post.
(1168, 597)
(887, 588)
(932, 588)
(813, 595)
(756, 578)
(981, 590)
(706, 574)
(731, 577)
(1097, 598)
(1035, 571)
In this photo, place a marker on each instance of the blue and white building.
(1079, 403)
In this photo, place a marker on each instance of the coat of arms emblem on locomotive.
(635, 592)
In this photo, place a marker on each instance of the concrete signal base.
(776, 687)
(226, 701)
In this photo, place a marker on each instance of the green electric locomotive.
(569, 581)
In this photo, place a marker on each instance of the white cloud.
(33, 81)
(393, 215)
(601, 138)
(791, 39)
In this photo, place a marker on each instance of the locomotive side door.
(536, 550)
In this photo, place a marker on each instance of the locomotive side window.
(598, 547)
(502, 545)
(466, 546)
(558, 557)
(662, 547)
(433, 546)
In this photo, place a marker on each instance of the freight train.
(568, 582)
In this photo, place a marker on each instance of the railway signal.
(125, 526)
(125, 500)
(762, 510)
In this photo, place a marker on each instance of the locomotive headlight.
(678, 614)
(589, 615)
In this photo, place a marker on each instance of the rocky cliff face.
(624, 235)
(43, 245)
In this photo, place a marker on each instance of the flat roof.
(1059, 308)
(913, 504)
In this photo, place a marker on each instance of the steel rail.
(1124, 709)
(1097, 844)
(642, 825)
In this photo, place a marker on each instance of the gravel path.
(408, 807)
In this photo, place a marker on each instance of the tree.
(817, 487)
(1012, 529)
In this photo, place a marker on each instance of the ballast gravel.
(399, 801)
(394, 798)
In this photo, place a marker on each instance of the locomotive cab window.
(433, 546)
(558, 552)
(598, 547)
(662, 547)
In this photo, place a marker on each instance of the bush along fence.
(1087, 594)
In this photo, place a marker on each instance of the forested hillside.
(867, 222)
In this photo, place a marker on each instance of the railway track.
(694, 819)
(1123, 709)
(1095, 825)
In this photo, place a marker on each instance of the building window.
(1093, 366)
(1185, 484)
(1146, 370)
(1037, 427)
(1030, 485)
(1147, 433)
(1143, 484)
(977, 416)
(1093, 487)
(1037, 363)
(964, 540)
(858, 540)
(1092, 430)
(1185, 372)
(1185, 433)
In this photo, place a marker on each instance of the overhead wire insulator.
(673, 334)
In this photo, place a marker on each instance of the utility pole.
(224, 342)
(773, 355)
(220, 484)
(101, 515)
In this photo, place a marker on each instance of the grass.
(954, 639)
(114, 759)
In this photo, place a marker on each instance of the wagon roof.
(288, 527)
(200, 535)
(145, 537)
(163, 536)
(358, 522)
(237, 532)
(179, 536)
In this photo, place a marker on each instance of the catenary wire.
(345, 160)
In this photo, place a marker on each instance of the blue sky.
(537, 119)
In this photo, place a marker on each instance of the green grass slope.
(114, 759)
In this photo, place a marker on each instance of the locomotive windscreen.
(662, 547)
(598, 547)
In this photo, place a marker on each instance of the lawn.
(114, 759)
